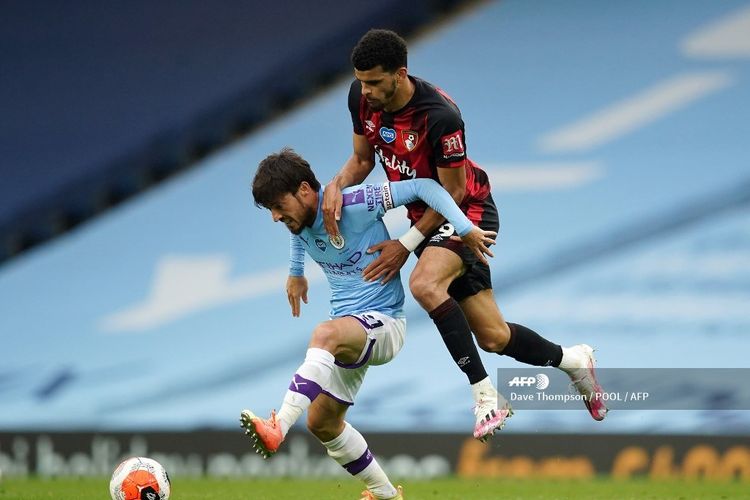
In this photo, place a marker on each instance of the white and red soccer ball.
(140, 478)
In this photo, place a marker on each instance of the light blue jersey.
(361, 226)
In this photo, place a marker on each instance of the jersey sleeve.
(355, 98)
(432, 193)
(296, 256)
(362, 205)
(446, 135)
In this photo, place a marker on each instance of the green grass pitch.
(446, 488)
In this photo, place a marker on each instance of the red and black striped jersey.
(424, 135)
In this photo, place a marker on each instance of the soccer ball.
(139, 478)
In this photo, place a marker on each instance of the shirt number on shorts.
(371, 321)
(446, 230)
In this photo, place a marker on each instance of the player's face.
(378, 87)
(290, 210)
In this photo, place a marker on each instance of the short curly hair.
(281, 173)
(380, 47)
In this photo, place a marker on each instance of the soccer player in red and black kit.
(416, 130)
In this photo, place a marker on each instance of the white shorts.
(385, 337)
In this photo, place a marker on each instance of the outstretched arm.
(444, 206)
(454, 182)
(393, 253)
(435, 197)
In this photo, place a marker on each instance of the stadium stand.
(101, 101)
(619, 163)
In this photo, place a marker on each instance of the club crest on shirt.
(410, 139)
(388, 134)
(337, 241)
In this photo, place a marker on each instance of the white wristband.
(411, 238)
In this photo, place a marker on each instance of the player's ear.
(401, 74)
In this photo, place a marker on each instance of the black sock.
(527, 346)
(453, 327)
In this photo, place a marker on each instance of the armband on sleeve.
(296, 257)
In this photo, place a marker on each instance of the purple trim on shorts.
(356, 466)
(337, 399)
(364, 360)
(361, 321)
(305, 387)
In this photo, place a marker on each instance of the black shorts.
(477, 275)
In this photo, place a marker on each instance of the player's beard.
(379, 105)
(308, 219)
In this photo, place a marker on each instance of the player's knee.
(424, 290)
(325, 336)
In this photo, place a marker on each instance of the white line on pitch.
(630, 114)
(541, 176)
(727, 38)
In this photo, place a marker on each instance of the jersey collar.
(317, 226)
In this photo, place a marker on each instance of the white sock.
(350, 450)
(482, 389)
(571, 359)
(309, 380)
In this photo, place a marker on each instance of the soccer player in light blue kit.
(367, 323)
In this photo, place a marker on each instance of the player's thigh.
(437, 267)
(385, 337)
(343, 337)
(325, 417)
(486, 320)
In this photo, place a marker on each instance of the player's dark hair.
(281, 173)
(379, 47)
